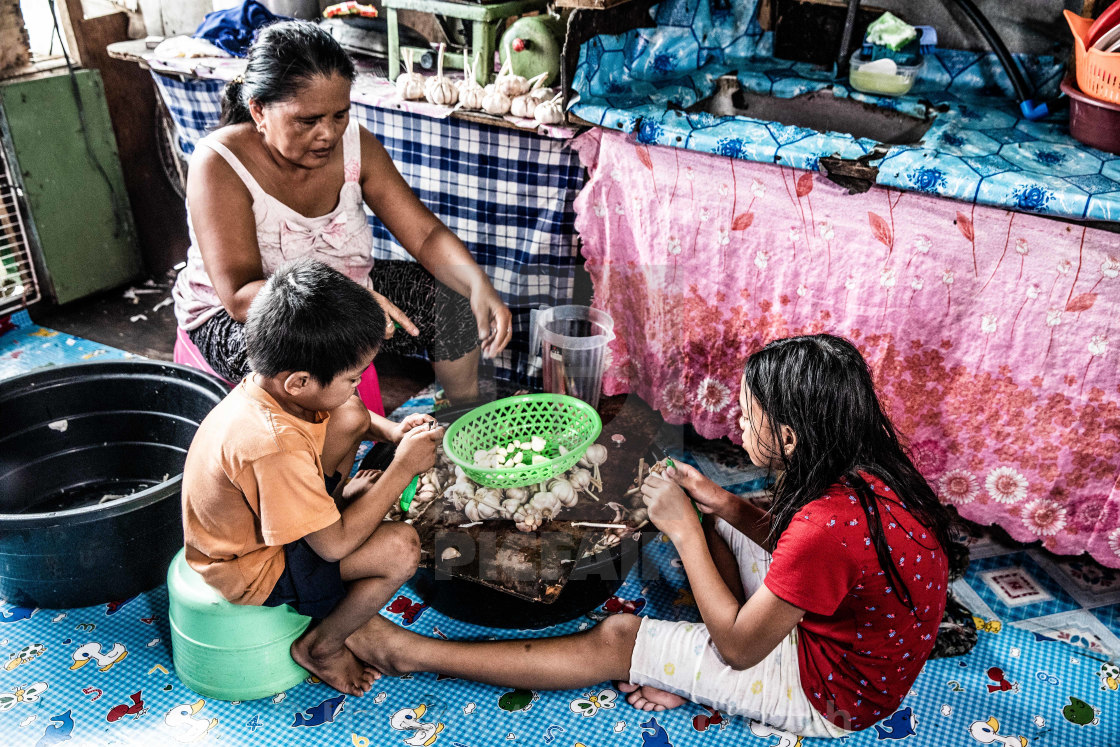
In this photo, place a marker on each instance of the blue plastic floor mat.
(1019, 686)
(1014, 684)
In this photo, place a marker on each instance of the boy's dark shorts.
(313, 586)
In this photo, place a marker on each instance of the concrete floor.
(140, 319)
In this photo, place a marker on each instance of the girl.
(817, 614)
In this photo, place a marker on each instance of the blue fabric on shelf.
(235, 28)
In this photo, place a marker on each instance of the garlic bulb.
(510, 506)
(550, 112)
(495, 101)
(519, 494)
(523, 106)
(527, 520)
(564, 492)
(458, 494)
(509, 83)
(545, 503)
(542, 93)
(410, 85)
(439, 90)
(470, 92)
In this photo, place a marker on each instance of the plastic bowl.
(562, 420)
(883, 77)
(1092, 121)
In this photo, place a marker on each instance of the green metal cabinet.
(67, 159)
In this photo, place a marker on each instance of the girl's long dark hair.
(283, 58)
(821, 388)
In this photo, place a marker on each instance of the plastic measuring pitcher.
(573, 344)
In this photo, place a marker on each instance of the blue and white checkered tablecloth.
(507, 194)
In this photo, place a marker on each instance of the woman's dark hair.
(283, 58)
(821, 388)
(310, 317)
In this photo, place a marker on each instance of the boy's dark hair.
(282, 59)
(310, 317)
(820, 386)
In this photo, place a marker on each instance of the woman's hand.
(495, 323)
(416, 420)
(707, 496)
(669, 507)
(394, 314)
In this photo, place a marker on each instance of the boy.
(259, 522)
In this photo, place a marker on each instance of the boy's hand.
(669, 507)
(417, 450)
(412, 421)
(708, 496)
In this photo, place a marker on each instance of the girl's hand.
(394, 314)
(495, 323)
(708, 496)
(416, 420)
(669, 507)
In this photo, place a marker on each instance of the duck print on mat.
(987, 732)
(785, 738)
(1109, 675)
(421, 733)
(92, 652)
(188, 726)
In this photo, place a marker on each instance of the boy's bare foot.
(360, 483)
(339, 668)
(646, 698)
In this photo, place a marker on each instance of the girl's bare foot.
(380, 643)
(646, 698)
(360, 483)
(339, 668)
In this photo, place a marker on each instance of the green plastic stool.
(229, 651)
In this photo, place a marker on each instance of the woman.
(286, 175)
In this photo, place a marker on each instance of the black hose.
(842, 60)
(1022, 91)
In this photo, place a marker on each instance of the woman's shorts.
(448, 330)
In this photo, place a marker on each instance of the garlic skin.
(495, 102)
(410, 85)
(458, 495)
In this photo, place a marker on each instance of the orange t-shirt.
(253, 482)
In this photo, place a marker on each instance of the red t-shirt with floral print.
(859, 648)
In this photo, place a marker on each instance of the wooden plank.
(590, 4)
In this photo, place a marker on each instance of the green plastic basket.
(560, 419)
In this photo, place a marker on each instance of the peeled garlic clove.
(450, 553)
(538, 444)
(538, 459)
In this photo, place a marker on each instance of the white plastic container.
(573, 345)
(882, 77)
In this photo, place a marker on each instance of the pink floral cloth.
(992, 335)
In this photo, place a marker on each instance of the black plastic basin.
(91, 463)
